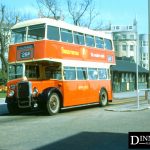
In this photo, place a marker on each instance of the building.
(128, 44)
(143, 51)
(123, 75)
(125, 40)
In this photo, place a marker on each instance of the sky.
(116, 12)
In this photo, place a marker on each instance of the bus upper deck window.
(90, 40)
(36, 32)
(99, 42)
(108, 44)
(79, 38)
(18, 35)
(66, 36)
(53, 33)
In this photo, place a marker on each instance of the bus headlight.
(12, 87)
(35, 91)
(11, 93)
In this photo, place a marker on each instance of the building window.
(144, 65)
(130, 27)
(144, 43)
(124, 36)
(117, 27)
(122, 77)
(144, 54)
(131, 77)
(131, 47)
(124, 47)
(132, 36)
(127, 77)
(116, 47)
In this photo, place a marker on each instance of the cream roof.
(64, 25)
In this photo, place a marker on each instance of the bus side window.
(36, 32)
(53, 33)
(18, 35)
(108, 44)
(32, 71)
(99, 42)
(69, 73)
(79, 38)
(53, 72)
(92, 74)
(102, 72)
(90, 40)
(81, 73)
(66, 36)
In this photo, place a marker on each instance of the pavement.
(2, 101)
(125, 101)
(128, 101)
(3, 107)
(131, 94)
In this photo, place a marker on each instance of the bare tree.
(4, 37)
(82, 13)
(49, 9)
(90, 16)
(7, 19)
(77, 9)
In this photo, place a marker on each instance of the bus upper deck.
(50, 39)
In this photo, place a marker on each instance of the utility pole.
(137, 64)
(149, 40)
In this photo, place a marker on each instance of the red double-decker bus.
(55, 65)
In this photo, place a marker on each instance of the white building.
(125, 40)
(143, 51)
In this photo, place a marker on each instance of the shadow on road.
(37, 112)
(90, 141)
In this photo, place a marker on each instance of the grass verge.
(2, 95)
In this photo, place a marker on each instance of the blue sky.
(118, 12)
(123, 12)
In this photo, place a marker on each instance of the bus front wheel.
(53, 104)
(103, 98)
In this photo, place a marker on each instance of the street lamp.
(137, 69)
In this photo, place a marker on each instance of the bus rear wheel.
(103, 98)
(53, 104)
